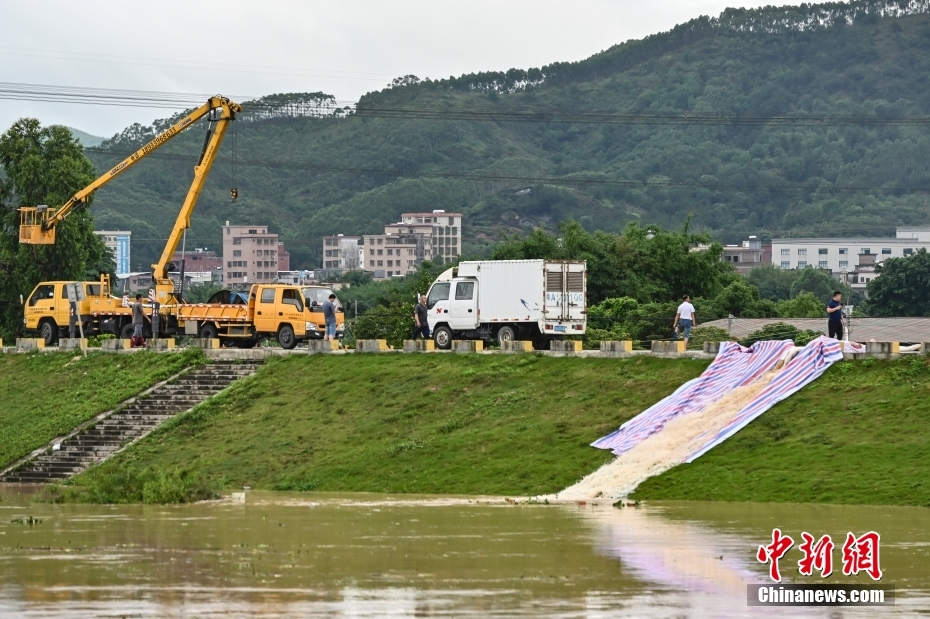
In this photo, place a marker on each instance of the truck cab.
(314, 297)
(47, 310)
(281, 311)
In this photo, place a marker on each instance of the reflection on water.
(371, 555)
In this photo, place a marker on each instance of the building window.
(802, 251)
(822, 251)
(908, 251)
(844, 264)
(822, 264)
(843, 251)
(786, 252)
(802, 264)
(886, 251)
(865, 250)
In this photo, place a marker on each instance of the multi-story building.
(390, 255)
(748, 255)
(251, 255)
(341, 252)
(840, 255)
(446, 232)
(118, 242)
(436, 235)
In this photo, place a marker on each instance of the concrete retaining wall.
(67, 343)
(882, 350)
(668, 347)
(565, 346)
(616, 348)
(419, 346)
(371, 346)
(517, 346)
(25, 344)
(115, 344)
(467, 346)
(321, 346)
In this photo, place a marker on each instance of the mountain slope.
(698, 122)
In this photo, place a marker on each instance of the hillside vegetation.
(701, 122)
(518, 426)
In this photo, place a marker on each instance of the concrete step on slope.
(109, 434)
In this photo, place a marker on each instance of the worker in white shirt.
(684, 317)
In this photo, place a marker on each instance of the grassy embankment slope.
(46, 395)
(520, 425)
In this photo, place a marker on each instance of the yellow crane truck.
(273, 310)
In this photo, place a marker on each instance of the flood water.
(282, 554)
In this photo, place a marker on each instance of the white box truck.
(500, 300)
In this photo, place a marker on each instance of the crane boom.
(38, 223)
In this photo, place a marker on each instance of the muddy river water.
(280, 554)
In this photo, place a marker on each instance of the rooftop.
(862, 329)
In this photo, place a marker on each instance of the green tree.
(817, 282)
(43, 166)
(805, 305)
(773, 283)
(902, 288)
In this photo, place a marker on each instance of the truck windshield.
(315, 297)
(439, 292)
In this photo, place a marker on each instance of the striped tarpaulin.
(733, 367)
(806, 366)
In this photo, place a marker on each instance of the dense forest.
(808, 120)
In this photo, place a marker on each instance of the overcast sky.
(248, 49)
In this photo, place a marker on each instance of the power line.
(182, 100)
(317, 167)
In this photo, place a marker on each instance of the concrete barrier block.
(882, 350)
(668, 347)
(29, 343)
(206, 342)
(67, 343)
(616, 348)
(162, 343)
(517, 346)
(711, 347)
(569, 346)
(371, 345)
(467, 345)
(419, 346)
(321, 346)
(115, 344)
(924, 348)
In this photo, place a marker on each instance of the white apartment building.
(841, 255)
(446, 234)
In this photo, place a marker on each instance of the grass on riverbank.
(45, 395)
(860, 434)
(472, 424)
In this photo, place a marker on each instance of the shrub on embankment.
(859, 434)
(475, 424)
(45, 395)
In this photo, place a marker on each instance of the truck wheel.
(506, 334)
(286, 337)
(126, 332)
(207, 332)
(442, 336)
(48, 330)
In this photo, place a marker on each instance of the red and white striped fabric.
(806, 366)
(733, 367)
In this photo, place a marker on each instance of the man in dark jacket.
(420, 315)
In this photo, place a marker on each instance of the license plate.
(560, 328)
